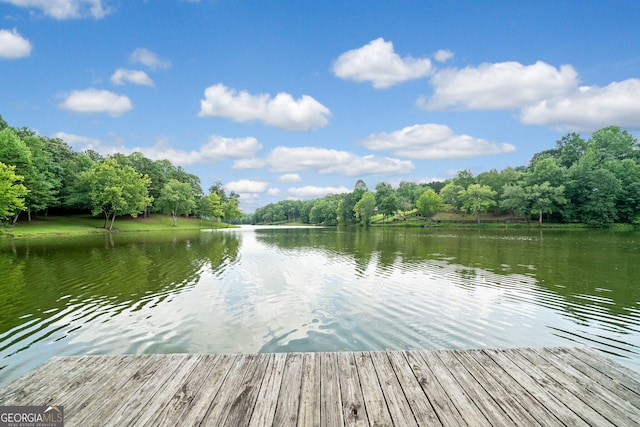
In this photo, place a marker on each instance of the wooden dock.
(552, 386)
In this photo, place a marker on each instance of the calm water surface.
(317, 289)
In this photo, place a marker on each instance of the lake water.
(317, 289)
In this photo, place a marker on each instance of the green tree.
(116, 190)
(365, 207)
(12, 192)
(593, 191)
(477, 199)
(429, 203)
(210, 207)
(14, 152)
(43, 183)
(516, 200)
(569, 149)
(543, 198)
(324, 211)
(614, 143)
(450, 194)
(177, 197)
(386, 200)
(231, 208)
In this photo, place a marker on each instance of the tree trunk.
(15, 218)
(113, 218)
(540, 219)
(175, 218)
(106, 219)
(29, 215)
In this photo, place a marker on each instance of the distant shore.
(77, 225)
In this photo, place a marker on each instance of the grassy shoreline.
(78, 225)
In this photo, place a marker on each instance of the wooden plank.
(330, 401)
(196, 411)
(116, 392)
(618, 373)
(265, 409)
(353, 410)
(502, 397)
(41, 379)
(161, 399)
(309, 411)
(220, 406)
(418, 401)
(129, 412)
(399, 408)
(445, 409)
(245, 397)
(474, 389)
(542, 395)
(183, 396)
(289, 398)
(466, 406)
(616, 395)
(557, 385)
(98, 372)
(374, 401)
(582, 388)
(514, 391)
(605, 379)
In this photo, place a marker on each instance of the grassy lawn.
(76, 225)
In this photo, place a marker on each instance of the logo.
(31, 416)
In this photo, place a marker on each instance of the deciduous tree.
(429, 203)
(177, 197)
(12, 192)
(116, 190)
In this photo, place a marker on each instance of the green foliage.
(210, 207)
(116, 190)
(477, 199)
(231, 209)
(324, 212)
(177, 197)
(450, 194)
(365, 208)
(386, 200)
(12, 192)
(429, 203)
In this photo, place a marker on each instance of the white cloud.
(216, 149)
(443, 55)
(78, 141)
(433, 142)
(289, 177)
(65, 9)
(148, 59)
(274, 192)
(589, 108)
(97, 101)
(504, 85)
(13, 45)
(377, 63)
(221, 148)
(122, 76)
(310, 191)
(252, 163)
(328, 161)
(247, 186)
(281, 112)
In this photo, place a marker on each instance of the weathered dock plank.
(547, 387)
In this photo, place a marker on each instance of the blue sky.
(298, 99)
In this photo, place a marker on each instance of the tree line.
(593, 181)
(38, 174)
